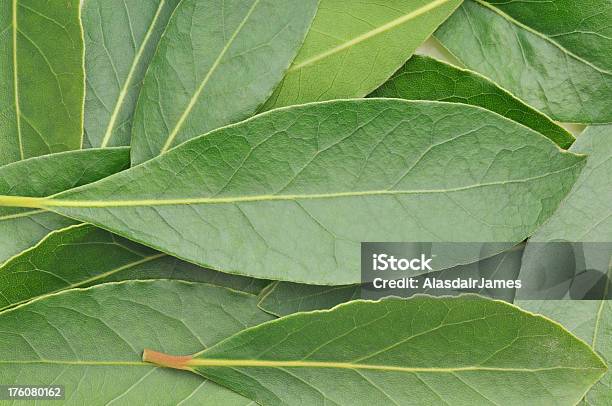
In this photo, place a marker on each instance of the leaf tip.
(165, 360)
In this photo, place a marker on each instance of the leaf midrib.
(346, 365)
(200, 362)
(124, 90)
(192, 102)
(76, 363)
(301, 364)
(16, 81)
(372, 33)
(54, 202)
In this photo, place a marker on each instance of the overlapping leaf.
(460, 351)
(82, 256)
(41, 78)
(91, 341)
(425, 78)
(120, 40)
(555, 55)
(583, 217)
(410, 171)
(277, 197)
(354, 47)
(586, 214)
(283, 298)
(43, 176)
(216, 63)
(590, 320)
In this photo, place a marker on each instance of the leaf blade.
(42, 78)
(83, 256)
(426, 78)
(115, 68)
(590, 320)
(241, 51)
(86, 337)
(47, 175)
(371, 345)
(543, 71)
(249, 204)
(284, 298)
(344, 43)
(590, 197)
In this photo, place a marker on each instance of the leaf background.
(106, 88)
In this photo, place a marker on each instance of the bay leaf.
(584, 216)
(426, 78)
(89, 340)
(216, 63)
(352, 48)
(43, 176)
(120, 40)
(591, 320)
(83, 256)
(554, 55)
(407, 170)
(284, 298)
(396, 351)
(41, 79)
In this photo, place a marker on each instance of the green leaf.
(216, 63)
(397, 351)
(590, 196)
(120, 40)
(90, 341)
(583, 216)
(43, 176)
(555, 55)
(354, 47)
(408, 170)
(83, 256)
(41, 79)
(425, 78)
(284, 298)
(591, 320)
